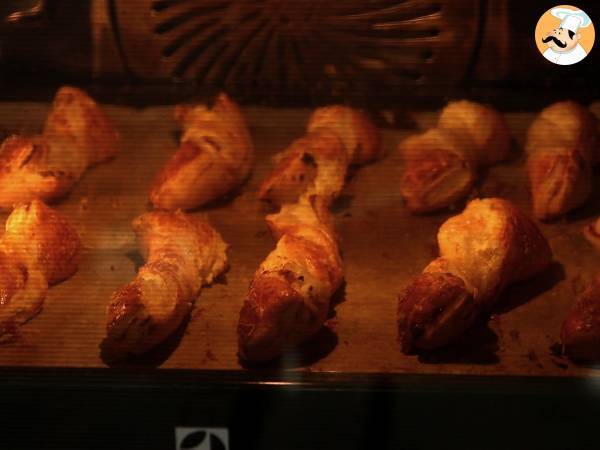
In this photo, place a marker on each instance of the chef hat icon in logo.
(564, 35)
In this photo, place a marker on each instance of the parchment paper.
(383, 247)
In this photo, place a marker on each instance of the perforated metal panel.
(299, 45)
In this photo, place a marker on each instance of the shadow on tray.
(479, 345)
(525, 291)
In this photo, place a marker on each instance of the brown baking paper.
(383, 247)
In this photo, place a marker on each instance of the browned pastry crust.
(485, 127)
(316, 162)
(561, 148)
(76, 136)
(592, 233)
(490, 245)
(214, 157)
(580, 332)
(183, 254)
(437, 171)
(337, 137)
(290, 294)
(39, 248)
(440, 165)
(360, 137)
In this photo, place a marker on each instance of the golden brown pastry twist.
(592, 233)
(291, 292)
(337, 137)
(39, 248)
(214, 157)
(360, 137)
(561, 152)
(183, 254)
(440, 165)
(490, 245)
(76, 135)
(580, 332)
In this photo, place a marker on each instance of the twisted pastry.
(316, 162)
(291, 291)
(592, 233)
(561, 152)
(76, 136)
(580, 332)
(214, 157)
(360, 137)
(39, 248)
(440, 165)
(337, 137)
(490, 245)
(183, 254)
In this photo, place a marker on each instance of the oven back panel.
(289, 51)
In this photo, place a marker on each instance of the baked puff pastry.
(440, 164)
(580, 332)
(315, 162)
(183, 254)
(76, 136)
(592, 233)
(337, 137)
(39, 248)
(214, 157)
(290, 294)
(561, 152)
(360, 137)
(487, 247)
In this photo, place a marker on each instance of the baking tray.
(383, 247)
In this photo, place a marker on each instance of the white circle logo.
(564, 35)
